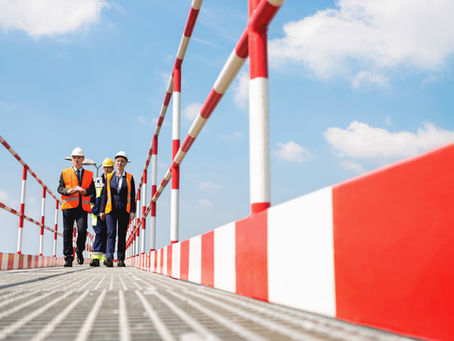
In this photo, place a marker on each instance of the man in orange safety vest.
(76, 186)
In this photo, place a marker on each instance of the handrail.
(13, 211)
(21, 214)
(181, 52)
(260, 17)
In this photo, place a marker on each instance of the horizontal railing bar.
(18, 158)
(13, 211)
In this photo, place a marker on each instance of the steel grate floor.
(83, 303)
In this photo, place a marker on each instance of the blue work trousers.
(122, 217)
(100, 243)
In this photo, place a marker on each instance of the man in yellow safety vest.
(99, 226)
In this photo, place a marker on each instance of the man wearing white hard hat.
(76, 186)
(118, 205)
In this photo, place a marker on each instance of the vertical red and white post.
(154, 175)
(144, 207)
(22, 210)
(54, 253)
(43, 211)
(174, 194)
(137, 230)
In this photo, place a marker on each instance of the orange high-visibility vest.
(70, 179)
(108, 208)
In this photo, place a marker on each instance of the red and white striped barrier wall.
(376, 250)
(14, 261)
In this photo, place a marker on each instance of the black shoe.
(121, 263)
(94, 262)
(80, 257)
(68, 263)
(108, 263)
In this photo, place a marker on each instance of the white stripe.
(259, 145)
(154, 317)
(123, 283)
(224, 257)
(197, 126)
(228, 73)
(184, 42)
(276, 3)
(195, 259)
(174, 214)
(176, 101)
(125, 334)
(5, 300)
(196, 4)
(176, 260)
(22, 196)
(111, 282)
(85, 330)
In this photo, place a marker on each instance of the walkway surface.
(83, 303)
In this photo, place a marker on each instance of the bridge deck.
(84, 303)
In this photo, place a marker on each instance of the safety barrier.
(16, 262)
(253, 42)
(375, 250)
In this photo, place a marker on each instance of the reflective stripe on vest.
(98, 186)
(108, 208)
(70, 179)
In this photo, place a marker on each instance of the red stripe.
(259, 206)
(210, 104)
(175, 177)
(187, 143)
(184, 260)
(258, 56)
(21, 219)
(155, 144)
(161, 252)
(153, 189)
(155, 261)
(10, 265)
(169, 260)
(192, 18)
(166, 102)
(241, 48)
(1, 258)
(175, 147)
(393, 242)
(164, 182)
(251, 262)
(177, 76)
(208, 259)
(160, 120)
(21, 262)
(29, 261)
(6, 144)
(265, 14)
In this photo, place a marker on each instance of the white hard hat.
(77, 152)
(122, 154)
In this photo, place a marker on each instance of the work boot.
(108, 262)
(68, 263)
(121, 263)
(94, 262)
(80, 257)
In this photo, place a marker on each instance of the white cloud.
(292, 152)
(204, 203)
(191, 111)
(49, 17)
(361, 141)
(361, 40)
(208, 186)
(353, 166)
(241, 90)
(388, 121)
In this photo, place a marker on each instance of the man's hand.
(71, 191)
(82, 191)
(103, 216)
(132, 216)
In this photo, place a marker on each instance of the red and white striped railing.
(173, 89)
(21, 213)
(252, 42)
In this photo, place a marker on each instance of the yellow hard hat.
(107, 162)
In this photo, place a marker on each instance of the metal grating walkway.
(83, 303)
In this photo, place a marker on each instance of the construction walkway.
(83, 303)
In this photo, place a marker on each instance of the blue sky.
(354, 85)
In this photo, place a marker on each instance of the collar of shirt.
(75, 169)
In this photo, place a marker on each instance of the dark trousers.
(69, 216)
(100, 243)
(122, 217)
